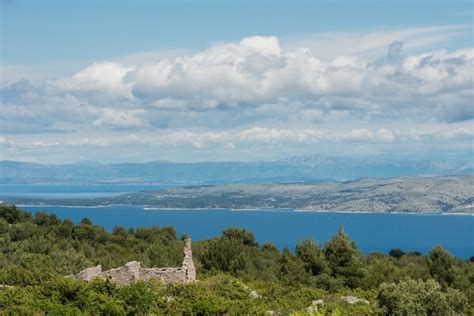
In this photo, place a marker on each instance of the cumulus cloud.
(254, 91)
(256, 72)
(106, 77)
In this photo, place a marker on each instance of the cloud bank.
(250, 91)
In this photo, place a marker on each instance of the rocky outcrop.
(133, 271)
(354, 300)
(316, 304)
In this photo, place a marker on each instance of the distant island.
(442, 194)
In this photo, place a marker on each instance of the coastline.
(247, 210)
(385, 212)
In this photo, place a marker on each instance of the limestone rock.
(354, 300)
(89, 273)
(254, 294)
(313, 308)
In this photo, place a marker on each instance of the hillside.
(236, 275)
(410, 194)
(449, 194)
(296, 169)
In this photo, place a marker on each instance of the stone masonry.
(133, 271)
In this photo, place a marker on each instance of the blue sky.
(225, 80)
(48, 31)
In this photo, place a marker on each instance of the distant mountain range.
(296, 169)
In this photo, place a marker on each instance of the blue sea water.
(284, 228)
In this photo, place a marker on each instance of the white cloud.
(256, 72)
(261, 45)
(104, 77)
(365, 134)
(254, 92)
(256, 141)
(233, 139)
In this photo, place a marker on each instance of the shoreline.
(385, 212)
(246, 210)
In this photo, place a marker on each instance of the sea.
(371, 232)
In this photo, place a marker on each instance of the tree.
(86, 221)
(235, 252)
(241, 235)
(379, 271)
(46, 219)
(396, 253)
(343, 259)
(292, 268)
(440, 263)
(13, 215)
(311, 256)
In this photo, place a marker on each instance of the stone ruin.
(132, 271)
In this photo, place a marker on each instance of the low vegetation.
(237, 275)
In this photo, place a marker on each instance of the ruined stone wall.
(188, 264)
(133, 271)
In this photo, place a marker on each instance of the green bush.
(412, 297)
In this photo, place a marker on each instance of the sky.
(118, 81)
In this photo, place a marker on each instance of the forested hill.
(304, 168)
(236, 274)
